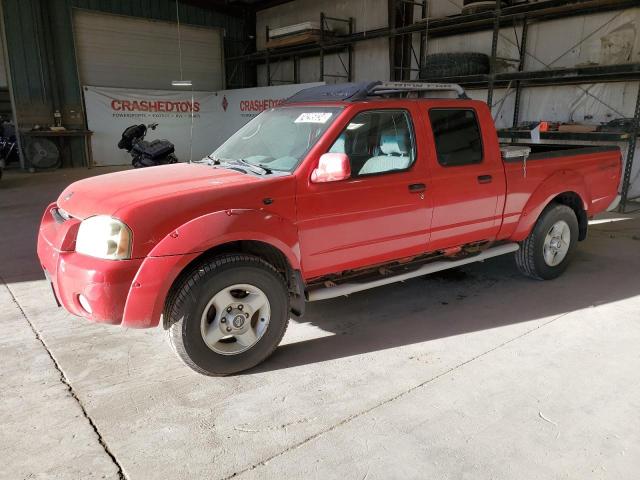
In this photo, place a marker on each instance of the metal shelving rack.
(324, 27)
(562, 76)
(635, 131)
(401, 15)
(547, 10)
(515, 16)
(323, 47)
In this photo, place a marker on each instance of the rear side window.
(457, 136)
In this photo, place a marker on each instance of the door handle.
(417, 187)
(485, 178)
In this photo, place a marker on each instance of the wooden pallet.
(309, 36)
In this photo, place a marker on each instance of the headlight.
(104, 237)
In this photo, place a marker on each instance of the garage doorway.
(129, 52)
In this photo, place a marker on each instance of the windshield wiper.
(259, 169)
(232, 164)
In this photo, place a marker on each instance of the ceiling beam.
(235, 7)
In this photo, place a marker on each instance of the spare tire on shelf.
(439, 65)
(478, 6)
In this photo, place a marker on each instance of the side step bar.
(349, 288)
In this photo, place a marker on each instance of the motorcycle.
(8, 144)
(144, 153)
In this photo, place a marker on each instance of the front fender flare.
(213, 229)
(564, 181)
(173, 253)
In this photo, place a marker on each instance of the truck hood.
(106, 194)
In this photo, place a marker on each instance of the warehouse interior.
(528, 67)
(472, 372)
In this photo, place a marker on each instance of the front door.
(379, 214)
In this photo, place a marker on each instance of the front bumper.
(126, 292)
(104, 283)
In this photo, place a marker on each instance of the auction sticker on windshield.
(313, 117)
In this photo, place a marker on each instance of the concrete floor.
(476, 373)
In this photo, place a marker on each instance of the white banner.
(216, 116)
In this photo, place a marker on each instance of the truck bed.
(545, 151)
(593, 169)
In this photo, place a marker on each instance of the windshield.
(278, 139)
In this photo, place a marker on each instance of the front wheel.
(228, 315)
(547, 251)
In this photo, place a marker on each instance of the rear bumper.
(104, 283)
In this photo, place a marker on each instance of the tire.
(440, 65)
(531, 260)
(191, 316)
(478, 6)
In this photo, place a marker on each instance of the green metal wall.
(40, 46)
(25, 44)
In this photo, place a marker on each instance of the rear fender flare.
(564, 181)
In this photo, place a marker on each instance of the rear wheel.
(228, 315)
(547, 251)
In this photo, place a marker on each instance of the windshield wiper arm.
(253, 167)
(224, 162)
(259, 169)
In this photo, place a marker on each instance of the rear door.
(467, 182)
(381, 212)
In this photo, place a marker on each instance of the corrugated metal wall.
(132, 52)
(163, 10)
(25, 50)
(41, 52)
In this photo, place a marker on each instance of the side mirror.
(332, 167)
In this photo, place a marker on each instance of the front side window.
(457, 136)
(278, 139)
(377, 141)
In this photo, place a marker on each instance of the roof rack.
(346, 92)
(389, 88)
(350, 92)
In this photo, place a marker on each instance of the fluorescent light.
(181, 83)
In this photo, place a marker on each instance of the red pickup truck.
(340, 189)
